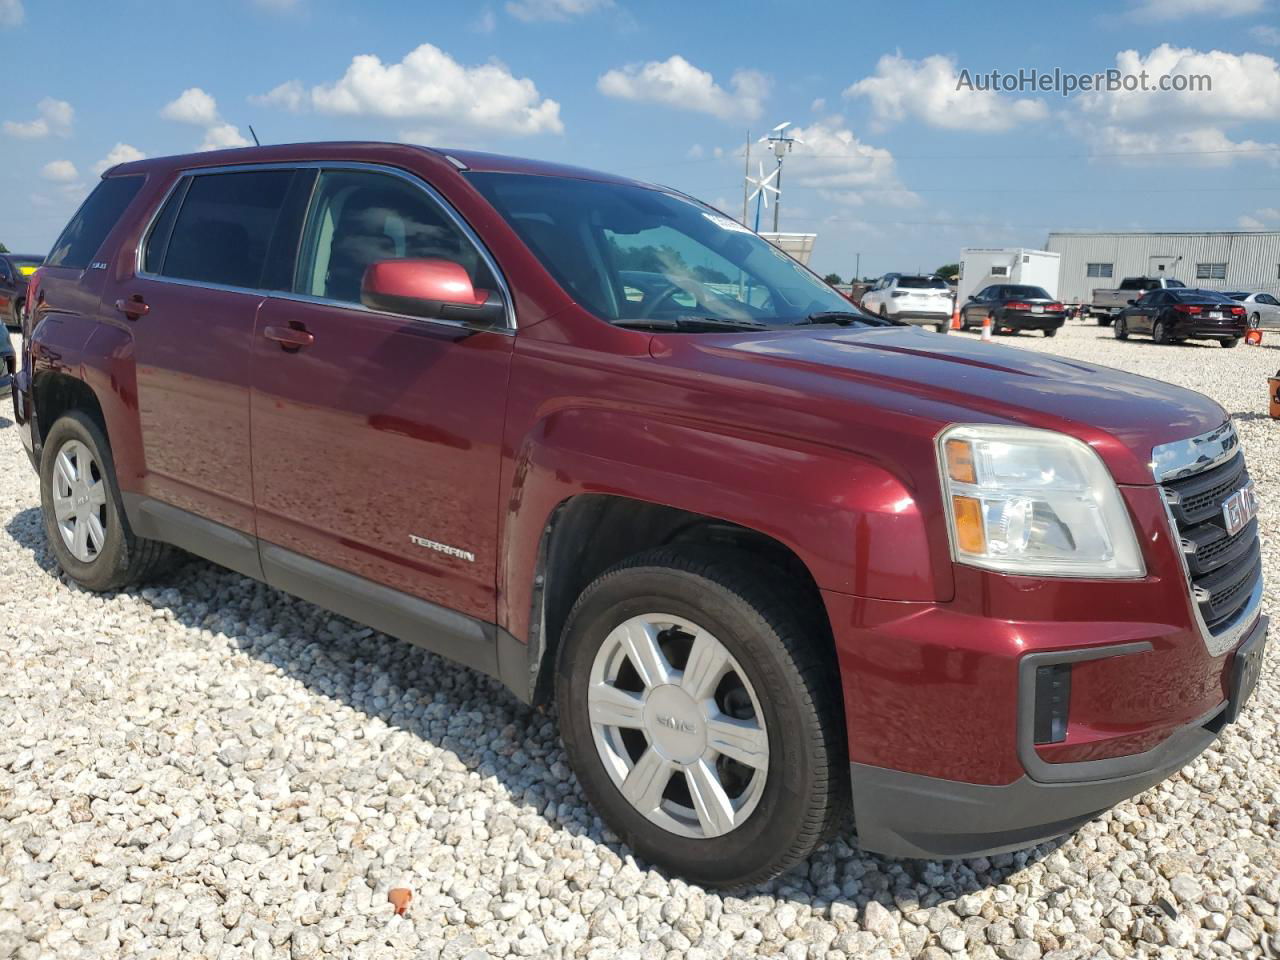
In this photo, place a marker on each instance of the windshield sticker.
(724, 223)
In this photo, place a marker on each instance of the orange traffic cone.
(988, 327)
(1253, 338)
(955, 317)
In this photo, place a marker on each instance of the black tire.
(1121, 329)
(942, 327)
(884, 313)
(123, 558)
(1160, 332)
(1104, 321)
(1051, 332)
(1255, 321)
(788, 659)
(1230, 343)
(14, 320)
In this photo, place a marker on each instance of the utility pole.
(857, 270)
(781, 144)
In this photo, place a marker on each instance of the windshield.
(630, 253)
(922, 283)
(1027, 293)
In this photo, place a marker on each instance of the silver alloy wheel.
(79, 501)
(687, 746)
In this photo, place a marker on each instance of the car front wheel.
(701, 711)
(1121, 329)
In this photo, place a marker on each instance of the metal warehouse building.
(1214, 261)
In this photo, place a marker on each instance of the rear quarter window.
(83, 236)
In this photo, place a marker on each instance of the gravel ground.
(209, 768)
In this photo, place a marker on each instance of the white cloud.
(678, 83)
(1266, 34)
(1243, 87)
(222, 136)
(291, 95)
(55, 117)
(60, 171)
(1188, 126)
(1148, 10)
(11, 13)
(843, 168)
(195, 107)
(120, 153)
(430, 85)
(529, 10)
(928, 90)
(1268, 218)
(487, 22)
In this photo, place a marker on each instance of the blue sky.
(897, 165)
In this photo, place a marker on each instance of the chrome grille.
(1224, 571)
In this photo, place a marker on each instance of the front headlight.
(1034, 502)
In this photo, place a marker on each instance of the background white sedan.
(1264, 309)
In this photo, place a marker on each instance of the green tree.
(948, 271)
(3, 248)
(833, 279)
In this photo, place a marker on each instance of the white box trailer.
(982, 266)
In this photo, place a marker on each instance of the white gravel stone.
(207, 767)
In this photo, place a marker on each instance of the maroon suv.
(767, 553)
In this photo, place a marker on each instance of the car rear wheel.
(1051, 332)
(1121, 329)
(1255, 321)
(701, 712)
(1160, 332)
(1230, 343)
(83, 514)
(1104, 320)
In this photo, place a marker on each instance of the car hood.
(921, 382)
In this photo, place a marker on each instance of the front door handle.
(290, 337)
(134, 307)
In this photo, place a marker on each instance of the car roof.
(368, 151)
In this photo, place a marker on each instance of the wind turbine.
(763, 187)
(781, 143)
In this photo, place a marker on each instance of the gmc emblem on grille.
(1239, 508)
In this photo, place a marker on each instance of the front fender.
(855, 525)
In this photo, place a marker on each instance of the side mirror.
(970, 297)
(431, 288)
(1131, 302)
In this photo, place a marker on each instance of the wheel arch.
(589, 533)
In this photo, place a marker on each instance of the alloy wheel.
(80, 501)
(678, 726)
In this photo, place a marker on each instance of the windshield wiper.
(688, 323)
(844, 318)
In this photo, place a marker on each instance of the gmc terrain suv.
(767, 553)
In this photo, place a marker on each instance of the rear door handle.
(289, 338)
(134, 307)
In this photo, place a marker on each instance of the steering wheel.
(651, 303)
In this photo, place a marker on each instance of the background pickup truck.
(1107, 303)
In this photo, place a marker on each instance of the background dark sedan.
(7, 368)
(15, 270)
(1171, 316)
(1014, 306)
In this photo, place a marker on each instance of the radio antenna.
(254, 135)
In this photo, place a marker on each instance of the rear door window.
(224, 232)
(76, 247)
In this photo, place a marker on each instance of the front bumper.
(904, 814)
